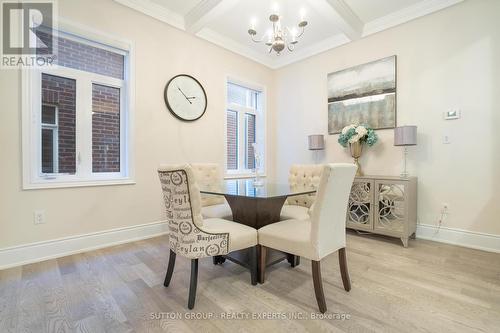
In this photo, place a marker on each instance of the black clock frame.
(168, 104)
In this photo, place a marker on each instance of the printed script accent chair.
(301, 177)
(321, 235)
(209, 177)
(193, 237)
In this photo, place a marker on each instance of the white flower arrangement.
(354, 133)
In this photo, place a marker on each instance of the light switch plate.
(452, 114)
(446, 139)
(39, 217)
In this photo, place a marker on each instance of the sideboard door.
(391, 207)
(360, 210)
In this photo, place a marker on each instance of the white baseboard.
(465, 238)
(35, 252)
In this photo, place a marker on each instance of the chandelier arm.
(258, 40)
(301, 33)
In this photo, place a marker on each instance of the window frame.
(55, 139)
(260, 129)
(33, 178)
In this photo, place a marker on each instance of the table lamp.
(405, 136)
(316, 142)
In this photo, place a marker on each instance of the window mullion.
(84, 126)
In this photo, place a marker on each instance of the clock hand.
(187, 99)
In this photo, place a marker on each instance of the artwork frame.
(363, 94)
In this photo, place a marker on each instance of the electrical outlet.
(39, 217)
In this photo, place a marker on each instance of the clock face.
(185, 97)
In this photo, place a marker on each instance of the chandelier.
(278, 38)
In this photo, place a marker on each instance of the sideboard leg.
(413, 235)
(405, 241)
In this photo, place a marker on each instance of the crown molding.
(238, 48)
(311, 50)
(215, 7)
(155, 11)
(407, 14)
(206, 11)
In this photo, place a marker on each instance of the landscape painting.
(364, 94)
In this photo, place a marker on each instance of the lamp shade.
(316, 142)
(405, 136)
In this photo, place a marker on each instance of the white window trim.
(55, 138)
(260, 126)
(31, 113)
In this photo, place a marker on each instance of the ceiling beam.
(341, 15)
(205, 12)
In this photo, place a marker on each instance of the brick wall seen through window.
(73, 54)
(59, 93)
(89, 83)
(105, 129)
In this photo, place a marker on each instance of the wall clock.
(185, 97)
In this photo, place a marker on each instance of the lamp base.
(404, 173)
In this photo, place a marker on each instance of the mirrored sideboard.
(384, 205)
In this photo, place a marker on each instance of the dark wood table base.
(256, 213)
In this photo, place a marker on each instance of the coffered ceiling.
(331, 22)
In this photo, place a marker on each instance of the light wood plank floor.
(429, 287)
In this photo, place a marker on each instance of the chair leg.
(170, 269)
(293, 260)
(343, 270)
(262, 265)
(193, 283)
(318, 285)
(253, 265)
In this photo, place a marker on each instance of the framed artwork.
(364, 94)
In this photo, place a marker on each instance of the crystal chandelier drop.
(278, 38)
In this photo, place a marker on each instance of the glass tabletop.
(246, 188)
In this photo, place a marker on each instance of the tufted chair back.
(209, 177)
(304, 177)
(183, 207)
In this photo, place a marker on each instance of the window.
(244, 131)
(76, 116)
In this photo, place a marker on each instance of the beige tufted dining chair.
(321, 235)
(209, 177)
(301, 177)
(192, 236)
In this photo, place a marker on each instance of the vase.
(356, 150)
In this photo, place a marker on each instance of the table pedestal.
(257, 213)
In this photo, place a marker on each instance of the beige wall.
(161, 52)
(445, 60)
(448, 59)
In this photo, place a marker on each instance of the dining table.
(256, 205)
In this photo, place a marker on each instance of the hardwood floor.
(428, 287)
